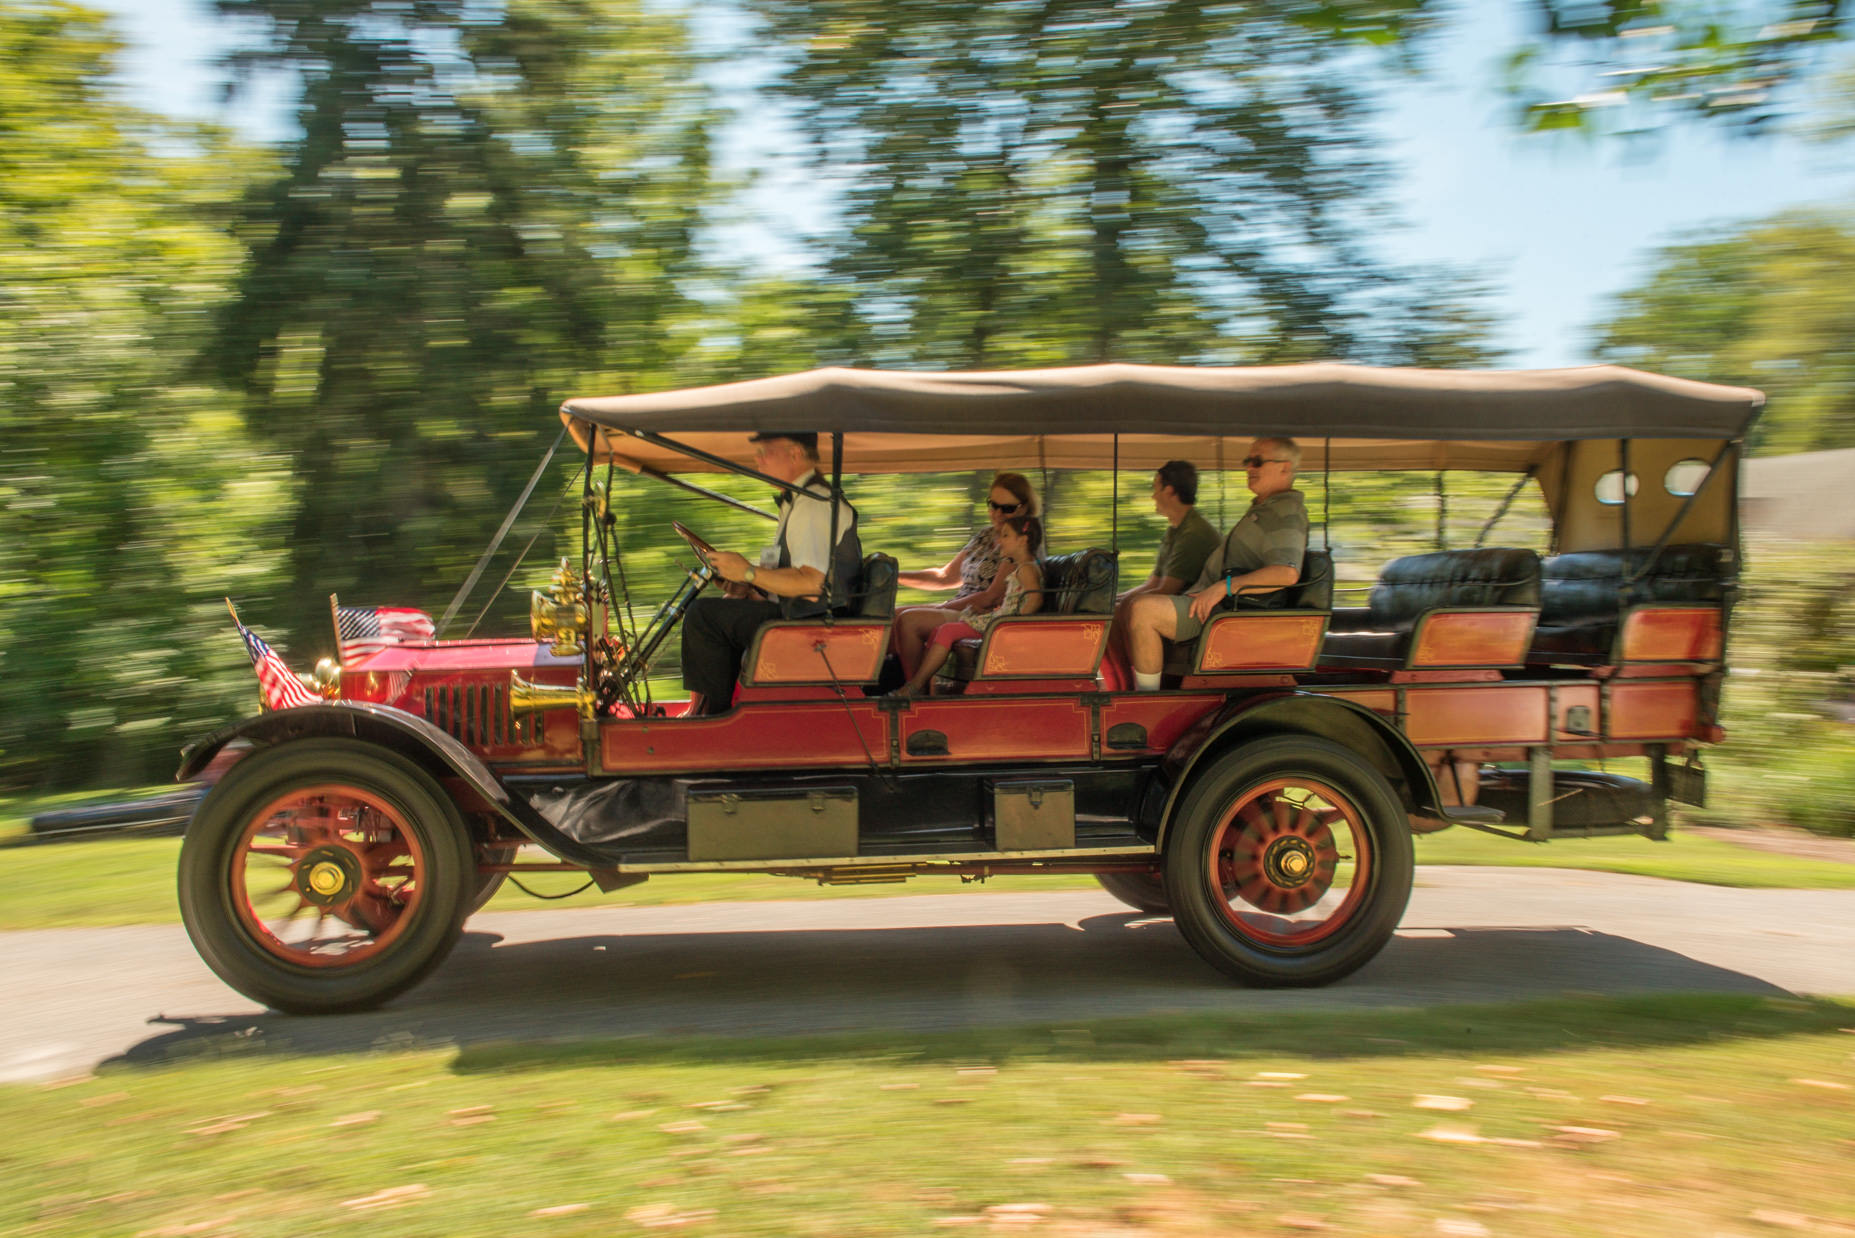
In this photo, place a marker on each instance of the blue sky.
(1557, 224)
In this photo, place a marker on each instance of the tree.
(124, 491)
(1627, 64)
(1086, 181)
(1769, 305)
(488, 207)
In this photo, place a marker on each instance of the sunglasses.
(1256, 462)
(1003, 507)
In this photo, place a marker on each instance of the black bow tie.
(782, 498)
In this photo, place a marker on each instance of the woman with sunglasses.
(973, 572)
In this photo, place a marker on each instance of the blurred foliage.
(1770, 305)
(1623, 66)
(1789, 703)
(114, 463)
(487, 209)
(1034, 185)
(330, 366)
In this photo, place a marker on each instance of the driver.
(786, 583)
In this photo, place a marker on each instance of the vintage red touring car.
(1265, 797)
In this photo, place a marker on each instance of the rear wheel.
(325, 875)
(1289, 862)
(1141, 891)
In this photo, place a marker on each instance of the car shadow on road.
(749, 985)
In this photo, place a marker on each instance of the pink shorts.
(953, 630)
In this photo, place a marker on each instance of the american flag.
(282, 690)
(362, 631)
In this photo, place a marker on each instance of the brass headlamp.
(559, 615)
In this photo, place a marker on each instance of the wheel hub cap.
(328, 876)
(1289, 862)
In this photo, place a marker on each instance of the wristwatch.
(751, 573)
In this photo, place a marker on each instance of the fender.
(1344, 722)
(407, 734)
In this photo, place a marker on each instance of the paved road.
(76, 997)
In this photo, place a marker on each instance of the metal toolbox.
(768, 823)
(1032, 814)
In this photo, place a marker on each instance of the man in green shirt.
(1190, 539)
(1262, 554)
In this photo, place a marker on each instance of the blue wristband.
(1226, 586)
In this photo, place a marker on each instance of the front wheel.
(1289, 862)
(325, 875)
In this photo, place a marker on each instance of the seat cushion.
(1494, 576)
(1583, 594)
(1079, 583)
(1594, 585)
(874, 595)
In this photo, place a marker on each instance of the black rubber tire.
(207, 905)
(1141, 891)
(1196, 899)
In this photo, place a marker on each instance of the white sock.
(1146, 682)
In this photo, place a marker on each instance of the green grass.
(1683, 857)
(131, 880)
(16, 813)
(1620, 1118)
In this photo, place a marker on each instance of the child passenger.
(1019, 539)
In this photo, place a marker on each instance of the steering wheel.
(620, 682)
(703, 550)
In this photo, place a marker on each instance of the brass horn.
(533, 698)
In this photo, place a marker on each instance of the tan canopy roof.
(1376, 418)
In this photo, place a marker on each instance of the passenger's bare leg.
(932, 660)
(912, 630)
(1152, 621)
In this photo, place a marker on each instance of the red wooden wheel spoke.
(351, 870)
(1276, 859)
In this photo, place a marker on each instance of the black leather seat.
(1312, 592)
(873, 596)
(1079, 583)
(1411, 588)
(1584, 594)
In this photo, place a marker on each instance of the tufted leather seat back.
(1079, 583)
(1594, 585)
(873, 597)
(1494, 576)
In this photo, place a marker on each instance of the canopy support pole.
(1114, 503)
(720, 462)
(1623, 486)
(705, 492)
(589, 671)
(476, 573)
(830, 563)
(1220, 482)
(1506, 502)
(1326, 495)
(1442, 513)
(540, 528)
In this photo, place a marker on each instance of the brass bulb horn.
(526, 697)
